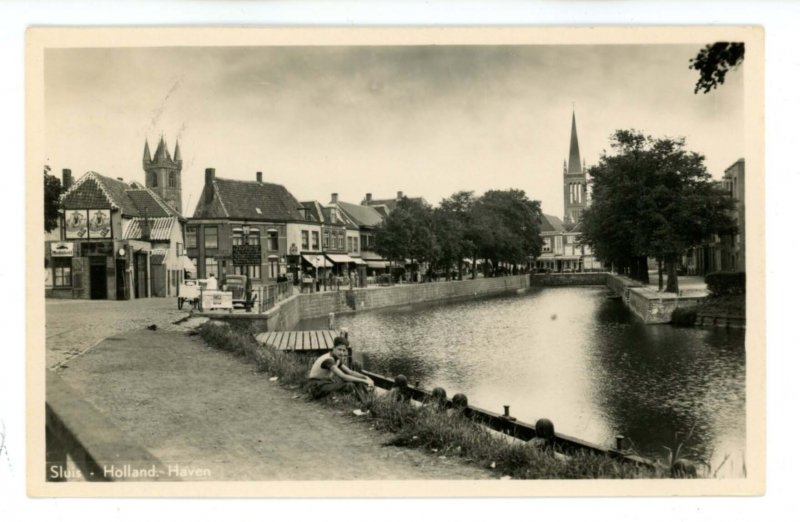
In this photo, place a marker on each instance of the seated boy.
(329, 373)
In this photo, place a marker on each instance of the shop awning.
(340, 258)
(357, 260)
(377, 264)
(317, 261)
(157, 256)
(187, 264)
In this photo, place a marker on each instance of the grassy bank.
(429, 428)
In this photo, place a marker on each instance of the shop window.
(210, 237)
(62, 272)
(191, 237)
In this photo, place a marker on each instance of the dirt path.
(201, 409)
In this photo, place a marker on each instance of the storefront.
(114, 269)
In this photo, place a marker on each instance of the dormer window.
(258, 211)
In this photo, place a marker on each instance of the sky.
(425, 120)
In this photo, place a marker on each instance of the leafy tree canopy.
(651, 197)
(52, 191)
(714, 61)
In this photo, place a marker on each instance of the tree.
(714, 61)
(505, 227)
(651, 197)
(52, 192)
(453, 228)
(407, 232)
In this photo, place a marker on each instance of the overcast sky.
(429, 121)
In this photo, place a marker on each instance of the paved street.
(198, 408)
(74, 326)
(201, 409)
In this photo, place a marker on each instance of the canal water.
(577, 358)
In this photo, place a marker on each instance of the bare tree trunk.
(672, 275)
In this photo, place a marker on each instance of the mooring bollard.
(507, 409)
(545, 430)
(460, 401)
(439, 396)
(620, 440)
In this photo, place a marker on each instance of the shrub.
(726, 283)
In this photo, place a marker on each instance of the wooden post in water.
(620, 440)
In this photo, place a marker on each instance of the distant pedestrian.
(329, 374)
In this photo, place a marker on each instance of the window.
(546, 245)
(210, 240)
(272, 240)
(191, 237)
(212, 267)
(179, 249)
(172, 179)
(340, 239)
(315, 241)
(569, 240)
(326, 239)
(355, 245)
(62, 271)
(154, 180)
(254, 238)
(349, 244)
(237, 238)
(251, 271)
(304, 235)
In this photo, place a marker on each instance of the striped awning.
(157, 256)
(377, 264)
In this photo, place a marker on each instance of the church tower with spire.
(574, 180)
(163, 173)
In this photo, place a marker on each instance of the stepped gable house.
(118, 240)
(253, 228)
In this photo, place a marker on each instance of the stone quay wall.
(648, 305)
(287, 314)
(570, 279)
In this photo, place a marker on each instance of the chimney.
(210, 173)
(335, 197)
(399, 194)
(258, 177)
(120, 179)
(66, 175)
(369, 197)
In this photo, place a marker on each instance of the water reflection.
(574, 356)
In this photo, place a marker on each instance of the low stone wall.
(574, 279)
(287, 314)
(648, 305)
(370, 298)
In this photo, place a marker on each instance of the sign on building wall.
(100, 224)
(62, 249)
(76, 224)
(246, 254)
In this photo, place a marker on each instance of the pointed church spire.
(147, 158)
(574, 152)
(161, 151)
(177, 155)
